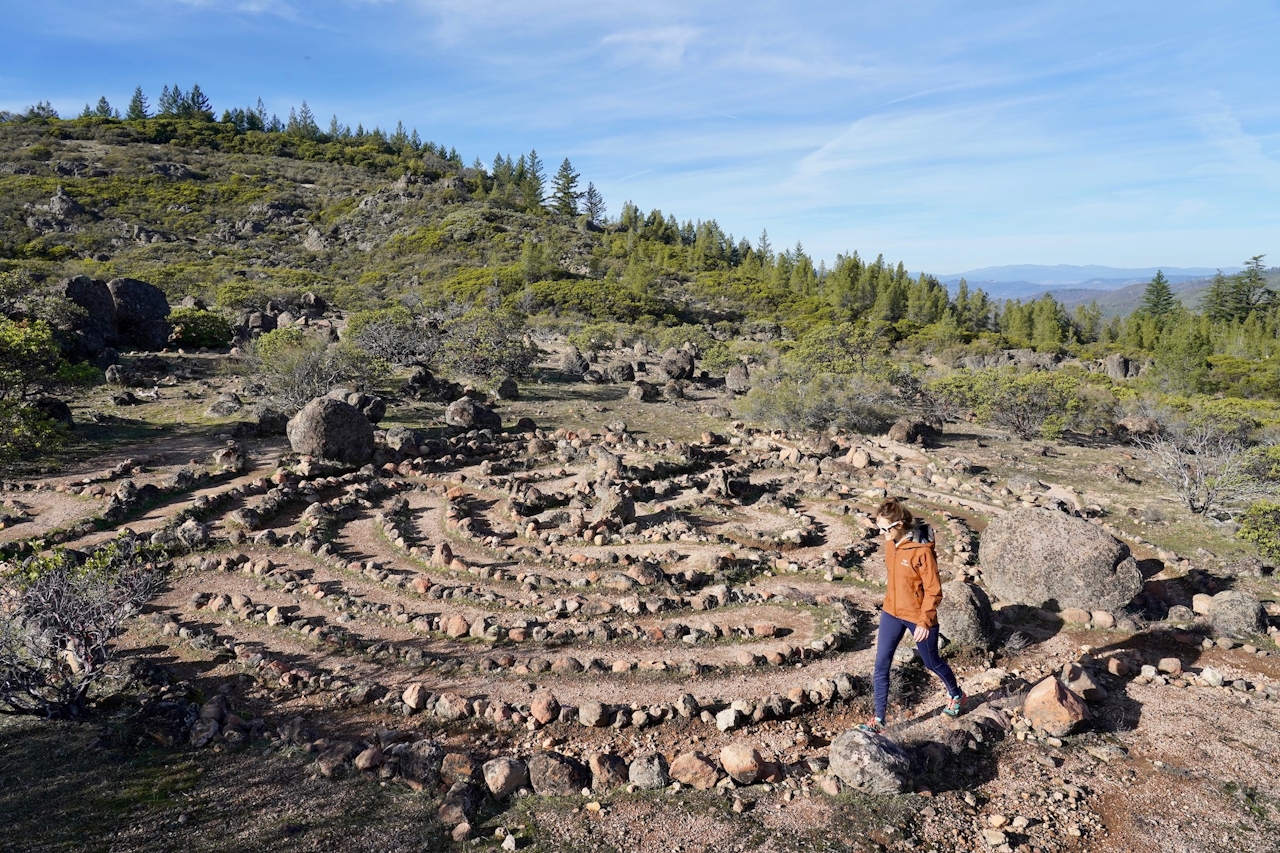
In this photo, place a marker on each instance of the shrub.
(394, 336)
(294, 367)
(195, 327)
(1209, 468)
(1260, 525)
(803, 400)
(26, 433)
(1031, 404)
(488, 345)
(58, 617)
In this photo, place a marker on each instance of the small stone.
(1172, 666)
(1211, 676)
(994, 837)
(728, 719)
(997, 820)
(544, 707)
(696, 770)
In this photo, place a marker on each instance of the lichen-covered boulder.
(332, 429)
(870, 762)
(964, 615)
(471, 414)
(1044, 557)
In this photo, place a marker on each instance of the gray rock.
(402, 438)
(1236, 613)
(471, 414)
(648, 772)
(738, 379)
(964, 616)
(141, 313)
(909, 431)
(1042, 557)
(676, 365)
(508, 389)
(225, 406)
(422, 762)
(332, 429)
(644, 392)
(592, 714)
(556, 775)
(870, 762)
(622, 373)
(271, 421)
(574, 364)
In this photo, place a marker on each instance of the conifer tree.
(565, 190)
(532, 180)
(593, 205)
(197, 105)
(171, 102)
(138, 106)
(1157, 299)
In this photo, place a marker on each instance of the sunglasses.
(884, 529)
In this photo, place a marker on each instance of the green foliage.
(1234, 298)
(1182, 359)
(293, 367)
(849, 348)
(393, 336)
(564, 190)
(196, 327)
(1260, 526)
(29, 357)
(1157, 299)
(794, 399)
(488, 345)
(1030, 404)
(26, 434)
(602, 300)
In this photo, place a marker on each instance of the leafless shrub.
(58, 617)
(1208, 468)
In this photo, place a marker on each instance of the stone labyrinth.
(485, 611)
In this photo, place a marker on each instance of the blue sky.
(948, 135)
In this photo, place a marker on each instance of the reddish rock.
(696, 770)
(1050, 706)
(742, 762)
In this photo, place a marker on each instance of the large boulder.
(332, 429)
(141, 313)
(964, 615)
(870, 762)
(1044, 557)
(471, 414)
(97, 329)
(738, 379)
(574, 363)
(908, 431)
(676, 365)
(1236, 613)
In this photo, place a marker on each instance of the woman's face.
(889, 529)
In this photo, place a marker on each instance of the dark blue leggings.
(891, 630)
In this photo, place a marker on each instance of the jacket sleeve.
(928, 571)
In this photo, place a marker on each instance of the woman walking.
(911, 604)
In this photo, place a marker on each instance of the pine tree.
(763, 248)
(198, 105)
(1157, 299)
(415, 141)
(399, 140)
(565, 190)
(171, 102)
(261, 112)
(87, 112)
(593, 205)
(138, 107)
(532, 181)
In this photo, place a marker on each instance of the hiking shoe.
(954, 705)
(875, 725)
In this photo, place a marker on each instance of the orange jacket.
(914, 586)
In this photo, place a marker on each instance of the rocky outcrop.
(121, 313)
(1043, 557)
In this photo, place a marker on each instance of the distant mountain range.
(1116, 290)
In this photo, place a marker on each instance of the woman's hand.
(920, 634)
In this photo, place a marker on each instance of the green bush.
(25, 434)
(488, 345)
(1260, 525)
(194, 328)
(1030, 404)
(803, 400)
